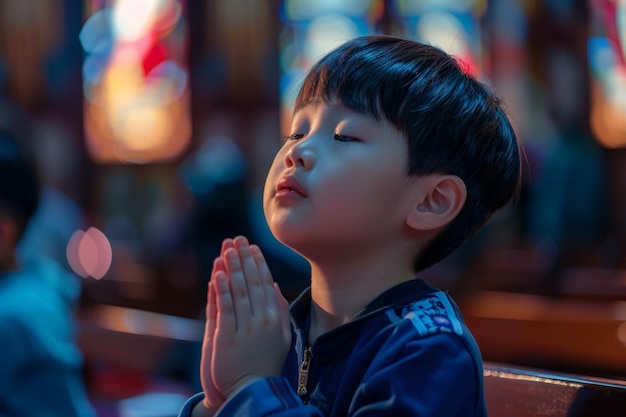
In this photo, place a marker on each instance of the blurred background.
(153, 123)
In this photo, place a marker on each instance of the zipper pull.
(303, 377)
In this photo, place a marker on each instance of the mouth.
(289, 185)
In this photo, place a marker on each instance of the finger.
(211, 309)
(211, 396)
(283, 307)
(226, 244)
(209, 327)
(283, 304)
(226, 320)
(209, 324)
(251, 275)
(218, 265)
(211, 306)
(238, 289)
(265, 277)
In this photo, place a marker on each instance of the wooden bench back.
(523, 392)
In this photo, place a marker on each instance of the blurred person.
(569, 202)
(40, 366)
(59, 215)
(215, 175)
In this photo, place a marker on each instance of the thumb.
(283, 307)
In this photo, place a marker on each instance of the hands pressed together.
(247, 333)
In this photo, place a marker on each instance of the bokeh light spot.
(89, 253)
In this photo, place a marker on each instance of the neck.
(339, 290)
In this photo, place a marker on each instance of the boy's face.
(339, 181)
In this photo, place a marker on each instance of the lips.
(290, 185)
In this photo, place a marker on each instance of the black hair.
(454, 124)
(19, 182)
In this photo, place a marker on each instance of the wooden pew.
(133, 340)
(124, 350)
(136, 341)
(592, 283)
(580, 336)
(526, 392)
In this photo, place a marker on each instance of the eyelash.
(344, 138)
(294, 136)
(336, 136)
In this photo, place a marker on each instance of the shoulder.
(431, 314)
(29, 310)
(16, 297)
(432, 326)
(18, 311)
(20, 296)
(426, 353)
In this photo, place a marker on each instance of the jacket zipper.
(303, 377)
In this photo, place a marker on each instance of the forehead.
(336, 114)
(336, 106)
(332, 109)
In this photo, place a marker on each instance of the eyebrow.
(315, 102)
(335, 101)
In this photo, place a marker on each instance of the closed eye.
(344, 138)
(294, 136)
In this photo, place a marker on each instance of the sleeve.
(30, 366)
(264, 397)
(432, 376)
(188, 406)
(436, 375)
(13, 348)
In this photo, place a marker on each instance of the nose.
(300, 155)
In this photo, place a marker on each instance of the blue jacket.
(40, 364)
(408, 353)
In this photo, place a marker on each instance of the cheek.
(274, 170)
(365, 191)
(272, 177)
(366, 180)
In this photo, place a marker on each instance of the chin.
(289, 238)
(284, 236)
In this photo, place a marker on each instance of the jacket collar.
(399, 295)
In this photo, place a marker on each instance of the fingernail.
(231, 254)
(242, 241)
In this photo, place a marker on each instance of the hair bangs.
(344, 76)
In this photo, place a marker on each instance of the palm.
(213, 399)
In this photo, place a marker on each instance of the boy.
(40, 366)
(395, 157)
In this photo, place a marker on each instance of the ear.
(441, 199)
